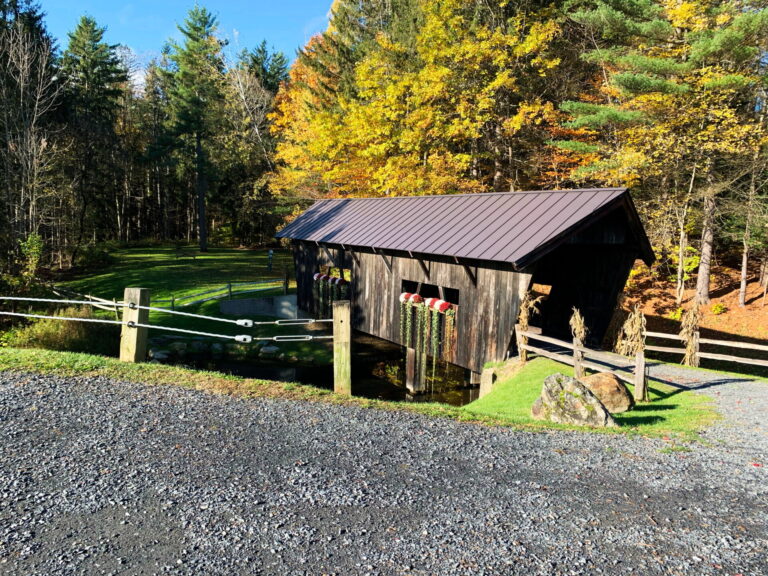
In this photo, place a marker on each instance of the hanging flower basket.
(415, 299)
(440, 305)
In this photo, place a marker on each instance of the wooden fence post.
(342, 347)
(641, 384)
(696, 346)
(133, 340)
(520, 340)
(286, 281)
(229, 289)
(578, 358)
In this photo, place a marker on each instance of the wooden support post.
(286, 280)
(578, 359)
(486, 381)
(696, 348)
(415, 372)
(641, 384)
(342, 347)
(133, 340)
(474, 378)
(173, 302)
(229, 289)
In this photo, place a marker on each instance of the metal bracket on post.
(133, 339)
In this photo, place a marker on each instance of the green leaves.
(637, 83)
(589, 115)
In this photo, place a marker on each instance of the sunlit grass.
(671, 412)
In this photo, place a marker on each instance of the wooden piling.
(641, 385)
(578, 359)
(133, 340)
(342, 347)
(415, 372)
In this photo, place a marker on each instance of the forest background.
(396, 97)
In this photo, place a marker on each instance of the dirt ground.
(657, 299)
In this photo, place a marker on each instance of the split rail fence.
(583, 357)
(698, 354)
(633, 371)
(135, 309)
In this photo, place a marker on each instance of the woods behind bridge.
(396, 97)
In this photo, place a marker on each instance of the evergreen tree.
(195, 95)
(94, 78)
(271, 68)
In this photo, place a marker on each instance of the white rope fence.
(243, 322)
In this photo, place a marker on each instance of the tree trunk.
(201, 185)
(747, 237)
(744, 265)
(683, 244)
(707, 247)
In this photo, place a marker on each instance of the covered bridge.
(479, 252)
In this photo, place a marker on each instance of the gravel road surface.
(103, 477)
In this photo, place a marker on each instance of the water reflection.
(378, 371)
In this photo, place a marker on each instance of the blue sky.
(144, 26)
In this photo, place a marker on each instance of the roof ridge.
(477, 194)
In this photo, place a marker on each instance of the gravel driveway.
(102, 477)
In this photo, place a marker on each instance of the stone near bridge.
(611, 392)
(565, 400)
(269, 351)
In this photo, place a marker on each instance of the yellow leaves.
(687, 15)
(528, 113)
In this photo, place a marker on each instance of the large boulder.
(565, 400)
(611, 392)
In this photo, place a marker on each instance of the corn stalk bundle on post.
(689, 331)
(579, 333)
(528, 307)
(632, 336)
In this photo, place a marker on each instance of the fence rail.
(583, 357)
(698, 354)
(100, 303)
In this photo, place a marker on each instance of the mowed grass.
(671, 412)
(166, 275)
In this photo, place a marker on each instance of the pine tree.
(195, 93)
(94, 78)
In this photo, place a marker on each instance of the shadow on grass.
(639, 420)
(653, 407)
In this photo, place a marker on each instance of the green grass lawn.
(671, 412)
(165, 275)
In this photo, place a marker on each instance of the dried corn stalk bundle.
(632, 336)
(528, 307)
(689, 331)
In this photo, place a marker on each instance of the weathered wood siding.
(487, 310)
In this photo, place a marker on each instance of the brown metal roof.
(507, 227)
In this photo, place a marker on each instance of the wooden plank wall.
(487, 311)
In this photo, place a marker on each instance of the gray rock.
(178, 347)
(565, 400)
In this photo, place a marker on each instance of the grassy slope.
(678, 415)
(671, 412)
